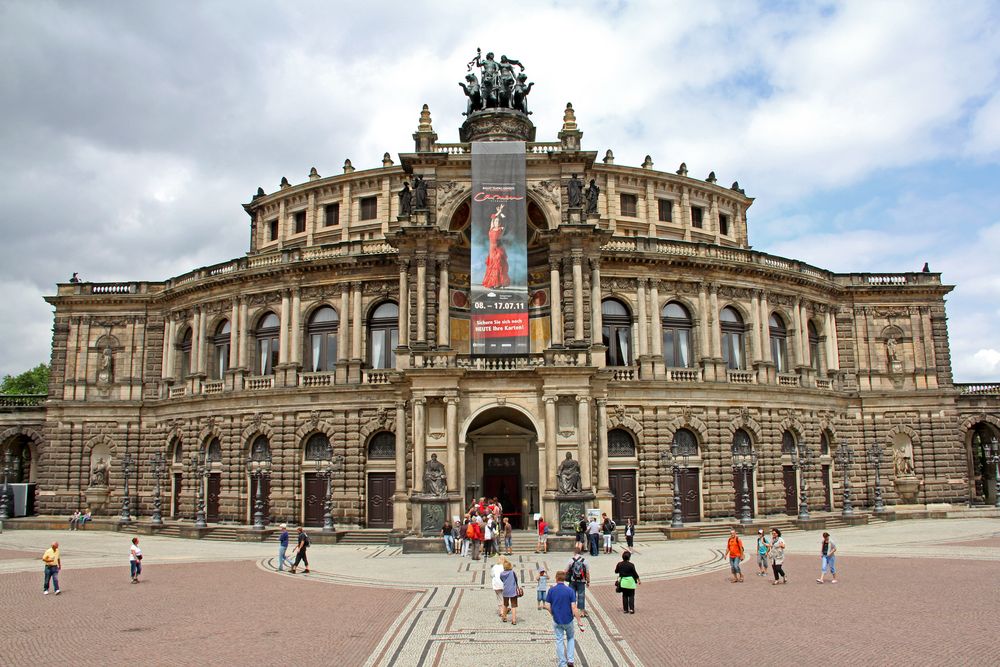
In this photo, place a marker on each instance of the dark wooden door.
(212, 497)
(738, 477)
(502, 480)
(827, 503)
(381, 486)
(791, 490)
(623, 496)
(690, 494)
(314, 497)
(178, 487)
(265, 496)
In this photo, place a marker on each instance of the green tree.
(35, 381)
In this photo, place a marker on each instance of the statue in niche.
(405, 199)
(100, 472)
(574, 190)
(419, 193)
(569, 475)
(902, 459)
(106, 369)
(435, 481)
(593, 192)
(890, 350)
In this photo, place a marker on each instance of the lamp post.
(334, 464)
(5, 492)
(127, 463)
(157, 464)
(746, 462)
(531, 486)
(846, 457)
(874, 455)
(802, 465)
(676, 461)
(994, 458)
(259, 468)
(200, 470)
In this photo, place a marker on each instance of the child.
(543, 587)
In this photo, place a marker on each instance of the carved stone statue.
(890, 350)
(902, 460)
(593, 192)
(419, 193)
(435, 481)
(99, 474)
(505, 88)
(574, 190)
(405, 199)
(106, 371)
(569, 475)
(473, 92)
(519, 95)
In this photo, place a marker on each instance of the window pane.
(684, 348)
(378, 346)
(669, 358)
(262, 348)
(274, 355)
(317, 342)
(737, 351)
(331, 352)
(623, 345)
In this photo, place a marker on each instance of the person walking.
(477, 537)
(53, 563)
(300, 550)
(511, 592)
(542, 587)
(578, 576)
(628, 579)
(735, 554)
(543, 536)
(593, 534)
(828, 551)
(508, 537)
(581, 534)
(777, 556)
(282, 547)
(629, 534)
(497, 583)
(607, 531)
(763, 545)
(135, 560)
(449, 539)
(561, 603)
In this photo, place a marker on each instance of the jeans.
(581, 594)
(449, 544)
(831, 562)
(628, 599)
(51, 572)
(734, 565)
(135, 567)
(281, 557)
(508, 543)
(300, 556)
(593, 544)
(465, 547)
(565, 644)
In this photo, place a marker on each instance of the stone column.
(295, 334)
(603, 483)
(168, 342)
(195, 339)
(755, 323)
(283, 330)
(833, 356)
(583, 440)
(596, 323)
(404, 303)
(419, 444)
(643, 317)
(716, 333)
(551, 435)
(400, 447)
(451, 438)
(234, 335)
(797, 328)
(555, 305)
(577, 298)
(444, 322)
(765, 330)
(656, 315)
(421, 300)
(244, 333)
(343, 325)
(356, 321)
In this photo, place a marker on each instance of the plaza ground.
(910, 593)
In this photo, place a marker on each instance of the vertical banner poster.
(499, 271)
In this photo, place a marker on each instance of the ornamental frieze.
(547, 191)
(889, 312)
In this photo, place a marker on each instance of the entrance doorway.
(212, 497)
(381, 486)
(690, 488)
(502, 480)
(827, 490)
(791, 490)
(315, 495)
(623, 496)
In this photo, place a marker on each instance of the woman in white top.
(777, 556)
(135, 560)
(495, 573)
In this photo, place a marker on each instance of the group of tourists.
(598, 535)
(483, 529)
(771, 551)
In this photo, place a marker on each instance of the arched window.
(620, 443)
(685, 443)
(382, 446)
(220, 344)
(813, 346)
(267, 344)
(676, 336)
(261, 448)
(178, 455)
(318, 448)
(732, 328)
(616, 333)
(214, 451)
(742, 445)
(779, 343)
(322, 339)
(184, 347)
(383, 336)
(787, 443)
(20, 452)
(824, 444)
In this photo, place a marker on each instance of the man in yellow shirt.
(52, 567)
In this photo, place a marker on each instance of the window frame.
(364, 202)
(777, 339)
(299, 222)
(676, 328)
(613, 326)
(221, 344)
(628, 204)
(272, 230)
(698, 223)
(271, 334)
(389, 328)
(668, 204)
(335, 207)
(327, 331)
(733, 337)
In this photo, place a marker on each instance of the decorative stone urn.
(907, 488)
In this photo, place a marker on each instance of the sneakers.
(58, 591)
(45, 592)
(819, 581)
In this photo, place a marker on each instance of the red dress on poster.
(496, 274)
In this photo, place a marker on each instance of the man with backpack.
(607, 529)
(300, 551)
(735, 553)
(578, 578)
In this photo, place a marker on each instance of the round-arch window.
(620, 443)
(382, 446)
(178, 452)
(321, 340)
(685, 444)
(742, 445)
(261, 448)
(383, 336)
(787, 443)
(824, 444)
(214, 451)
(387, 309)
(318, 447)
(267, 337)
(676, 321)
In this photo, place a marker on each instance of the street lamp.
(200, 470)
(4, 495)
(801, 463)
(258, 468)
(157, 464)
(334, 464)
(127, 463)
(846, 457)
(993, 456)
(874, 455)
(677, 462)
(746, 462)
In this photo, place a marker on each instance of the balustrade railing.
(740, 377)
(320, 379)
(213, 387)
(259, 383)
(177, 392)
(788, 380)
(626, 374)
(978, 389)
(375, 377)
(684, 374)
(21, 400)
(824, 384)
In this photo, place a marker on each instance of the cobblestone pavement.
(913, 592)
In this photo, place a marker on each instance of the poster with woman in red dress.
(497, 273)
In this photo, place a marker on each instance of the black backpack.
(578, 570)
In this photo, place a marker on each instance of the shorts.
(830, 561)
(581, 537)
(510, 602)
(542, 539)
(734, 565)
(540, 595)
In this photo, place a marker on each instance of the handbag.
(520, 592)
(618, 585)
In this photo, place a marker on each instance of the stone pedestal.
(572, 506)
(856, 520)
(817, 523)
(429, 514)
(907, 488)
(97, 499)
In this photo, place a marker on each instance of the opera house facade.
(563, 334)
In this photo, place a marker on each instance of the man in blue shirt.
(282, 547)
(561, 603)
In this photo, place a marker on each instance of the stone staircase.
(365, 537)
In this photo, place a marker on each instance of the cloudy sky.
(131, 132)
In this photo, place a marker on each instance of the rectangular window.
(666, 210)
(629, 205)
(724, 224)
(369, 208)
(272, 230)
(300, 222)
(697, 214)
(332, 215)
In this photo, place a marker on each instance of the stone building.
(340, 345)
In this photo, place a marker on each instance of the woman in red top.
(496, 274)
